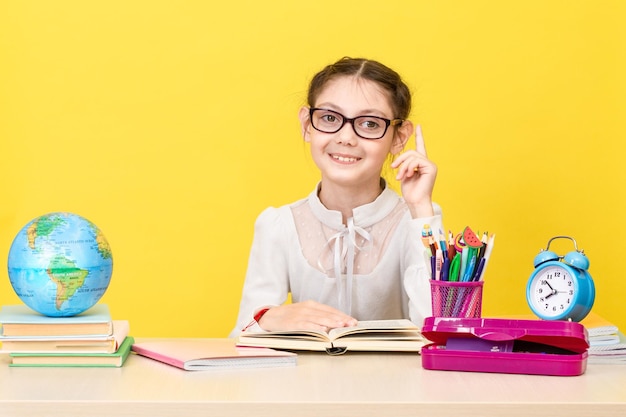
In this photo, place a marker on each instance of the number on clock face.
(552, 290)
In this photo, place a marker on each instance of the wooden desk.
(355, 384)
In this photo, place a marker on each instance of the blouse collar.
(363, 216)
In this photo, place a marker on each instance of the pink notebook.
(207, 354)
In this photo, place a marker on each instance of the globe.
(60, 264)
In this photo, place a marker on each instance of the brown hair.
(388, 79)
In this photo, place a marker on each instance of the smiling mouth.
(344, 159)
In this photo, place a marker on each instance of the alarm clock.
(560, 287)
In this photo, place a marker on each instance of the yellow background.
(172, 124)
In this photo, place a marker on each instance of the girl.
(351, 250)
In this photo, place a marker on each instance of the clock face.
(552, 291)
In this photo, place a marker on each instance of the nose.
(347, 135)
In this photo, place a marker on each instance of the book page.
(290, 334)
(380, 327)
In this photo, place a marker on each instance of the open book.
(376, 335)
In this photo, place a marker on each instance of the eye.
(329, 118)
(370, 123)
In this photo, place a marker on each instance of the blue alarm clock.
(560, 287)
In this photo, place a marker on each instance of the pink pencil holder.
(456, 299)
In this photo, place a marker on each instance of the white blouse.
(374, 267)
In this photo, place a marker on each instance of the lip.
(343, 158)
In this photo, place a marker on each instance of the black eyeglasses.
(366, 127)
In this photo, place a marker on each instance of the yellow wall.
(172, 124)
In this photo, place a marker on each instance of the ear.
(401, 137)
(305, 123)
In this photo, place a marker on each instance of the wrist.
(259, 314)
(423, 209)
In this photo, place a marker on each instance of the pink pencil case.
(535, 347)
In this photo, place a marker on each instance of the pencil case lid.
(561, 334)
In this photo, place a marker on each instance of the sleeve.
(267, 282)
(416, 279)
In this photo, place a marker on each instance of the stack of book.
(606, 343)
(91, 338)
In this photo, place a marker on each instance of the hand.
(417, 175)
(552, 291)
(307, 315)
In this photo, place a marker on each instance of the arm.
(416, 278)
(417, 175)
(266, 283)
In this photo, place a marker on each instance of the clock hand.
(552, 291)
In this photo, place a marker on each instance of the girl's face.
(344, 157)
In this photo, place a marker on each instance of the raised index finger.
(420, 146)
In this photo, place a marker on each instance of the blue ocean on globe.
(60, 264)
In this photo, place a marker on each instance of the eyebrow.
(366, 112)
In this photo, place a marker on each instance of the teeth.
(344, 159)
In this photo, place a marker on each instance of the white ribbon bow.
(344, 252)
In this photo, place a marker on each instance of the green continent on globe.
(67, 276)
(103, 246)
(42, 227)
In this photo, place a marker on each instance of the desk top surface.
(340, 385)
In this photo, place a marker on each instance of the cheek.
(317, 145)
(381, 149)
(317, 139)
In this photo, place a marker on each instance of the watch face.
(551, 291)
